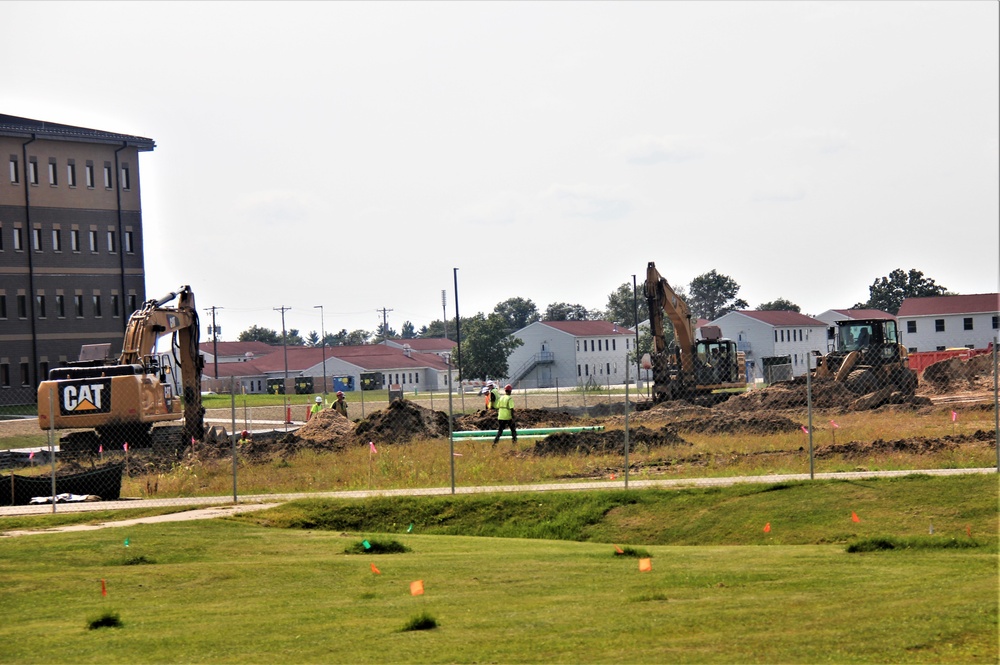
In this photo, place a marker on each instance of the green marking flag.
(409, 529)
(367, 545)
(126, 542)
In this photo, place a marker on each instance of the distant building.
(570, 353)
(937, 323)
(774, 333)
(71, 246)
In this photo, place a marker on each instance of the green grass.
(50, 520)
(233, 590)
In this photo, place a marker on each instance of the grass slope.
(233, 591)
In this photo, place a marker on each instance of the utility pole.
(444, 312)
(385, 324)
(458, 330)
(284, 344)
(635, 316)
(215, 339)
(322, 332)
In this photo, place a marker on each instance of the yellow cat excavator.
(705, 369)
(119, 403)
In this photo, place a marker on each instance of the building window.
(5, 375)
(56, 240)
(3, 306)
(97, 305)
(93, 241)
(89, 170)
(598, 345)
(579, 372)
(1, 236)
(53, 172)
(40, 305)
(586, 370)
(78, 305)
(71, 173)
(36, 239)
(782, 335)
(15, 176)
(22, 306)
(939, 326)
(967, 323)
(912, 349)
(132, 303)
(608, 366)
(43, 369)
(614, 345)
(111, 242)
(578, 349)
(126, 181)
(25, 380)
(939, 348)
(32, 171)
(114, 305)
(128, 240)
(74, 239)
(591, 345)
(60, 306)
(18, 240)
(996, 319)
(107, 175)
(911, 326)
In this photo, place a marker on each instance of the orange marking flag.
(645, 565)
(854, 517)
(767, 528)
(417, 588)
(376, 570)
(619, 550)
(104, 589)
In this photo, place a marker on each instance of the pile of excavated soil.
(325, 428)
(915, 445)
(611, 441)
(689, 418)
(524, 418)
(955, 373)
(402, 422)
(826, 394)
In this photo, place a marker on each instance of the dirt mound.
(767, 423)
(612, 441)
(975, 372)
(326, 426)
(485, 420)
(402, 422)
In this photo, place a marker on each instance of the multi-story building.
(570, 353)
(71, 252)
(936, 323)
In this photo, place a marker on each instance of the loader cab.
(876, 340)
(716, 361)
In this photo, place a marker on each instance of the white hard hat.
(319, 400)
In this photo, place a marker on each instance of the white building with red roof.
(774, 334)
(937, 323)
(570, 353)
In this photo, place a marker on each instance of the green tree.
(621, 305)
(258, 334)
(407, 331)
(561, 311)
(517, 313)
(312, 339)
(888, 293)
(712, 295)
(294, 338)
(485, 346)
(383, 332)
(779, 304)
(357, 338)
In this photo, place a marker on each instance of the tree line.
(487, 339)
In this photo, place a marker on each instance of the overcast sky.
(351, 155)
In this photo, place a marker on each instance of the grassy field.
(278, 586)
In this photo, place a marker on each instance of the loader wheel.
(861, 381)
(905, 380)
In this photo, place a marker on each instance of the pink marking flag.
(805, 429)
(371, 445)
(835, 425)
(100, 448)
(31, 455)
(125, 446)
(954, 416)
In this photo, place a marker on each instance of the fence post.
(996, 401)
(809, 410)
(52, 446)
(557, 392)
(626, 426)
(232, 393)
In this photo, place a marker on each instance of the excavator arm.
(664, 300)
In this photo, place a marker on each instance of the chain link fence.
(670, 423)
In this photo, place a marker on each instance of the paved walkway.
(225, 505)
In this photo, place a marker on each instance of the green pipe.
(476, 433)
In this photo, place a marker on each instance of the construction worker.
(492, 395)
(505, 415)
(244, 438)
(340, 406)
(317, 407)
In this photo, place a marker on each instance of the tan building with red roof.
(937, 323)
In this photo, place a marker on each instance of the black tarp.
(105, 482)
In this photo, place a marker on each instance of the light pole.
(451, 416)
(322, 332)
